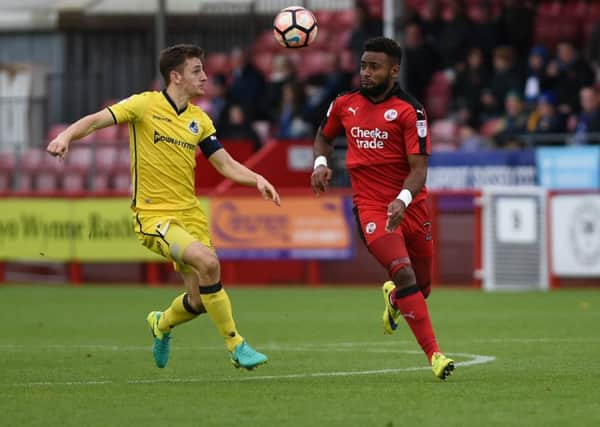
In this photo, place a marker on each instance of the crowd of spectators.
(500, 82)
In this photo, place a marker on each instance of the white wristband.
(320, 161)
(406, 196)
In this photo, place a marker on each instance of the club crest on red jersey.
(390, 115)
(370, 228)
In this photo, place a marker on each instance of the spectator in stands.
(291, 124)
(568, 73)
(536, 81)
(588, 121)
(321, 88)
(454, 35)
(236, 126)
(468, 85)
(430, 22)
(282, 73)
(505, 78)
(592, 50)
(420, 63)
(546, 120)
(216, 100)
(247, 87)
(515, 25)
(363, 28)
(514, 120)
(483, 31)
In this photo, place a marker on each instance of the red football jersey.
(380, 137)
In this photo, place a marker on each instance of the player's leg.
(183, 308)
(216, 302)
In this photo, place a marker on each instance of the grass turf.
(82, 357)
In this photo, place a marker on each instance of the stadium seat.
(54, 130)
(74, 181)
(100, 182)
(122, 160)
(80, 158)
(343, 19)
(105, 157)
(23, 181)
(46, 181)
(121, 181)
(443, 132)
(263, 61)
(7, 167)
(437, 96)
(265, 42)
(107, 135)
(31, 159)
(217, 63)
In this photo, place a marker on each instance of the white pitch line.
(475, 359)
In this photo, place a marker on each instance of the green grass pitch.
(82, 357)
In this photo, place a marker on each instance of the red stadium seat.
(105, 158)
(100, 182)
(55, 129)
(343, 19)
(444, 132)
(217, 63)
(31, 159)
(265, 42)
(121, 181)
(80, 158)
(74, 181)
(437, 96)
(263, 61)
(46, 181)
(7, 167)
(107, 135)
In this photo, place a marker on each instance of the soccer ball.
(295, 27)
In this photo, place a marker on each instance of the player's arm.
(235, 171)
(413, 184)
(59, 146)
(322, 148)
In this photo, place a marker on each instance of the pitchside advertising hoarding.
(474, 170)
(575, 235)
(301, 228)
(100, 230)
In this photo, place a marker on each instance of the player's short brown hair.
(385, 45)
(173, 58)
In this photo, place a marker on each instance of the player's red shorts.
(409, 244)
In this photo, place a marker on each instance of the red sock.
(414, 309)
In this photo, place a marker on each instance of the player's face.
(377, 73)
(193, 77)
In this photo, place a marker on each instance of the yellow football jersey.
(162, 143)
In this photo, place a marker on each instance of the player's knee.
(404, 277)
(212, 267)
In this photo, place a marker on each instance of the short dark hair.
(173, 57)
(385, 45)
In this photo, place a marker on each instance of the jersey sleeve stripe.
(112, 114)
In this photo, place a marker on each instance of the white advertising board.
(575, 235)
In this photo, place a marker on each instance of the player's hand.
(58, 147)
(267, 190)
(395, 213)
(319, 180)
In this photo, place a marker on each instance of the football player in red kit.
(388, 152)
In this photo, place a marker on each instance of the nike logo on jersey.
(353, 110)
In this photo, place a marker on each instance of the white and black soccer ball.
(295, 27)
